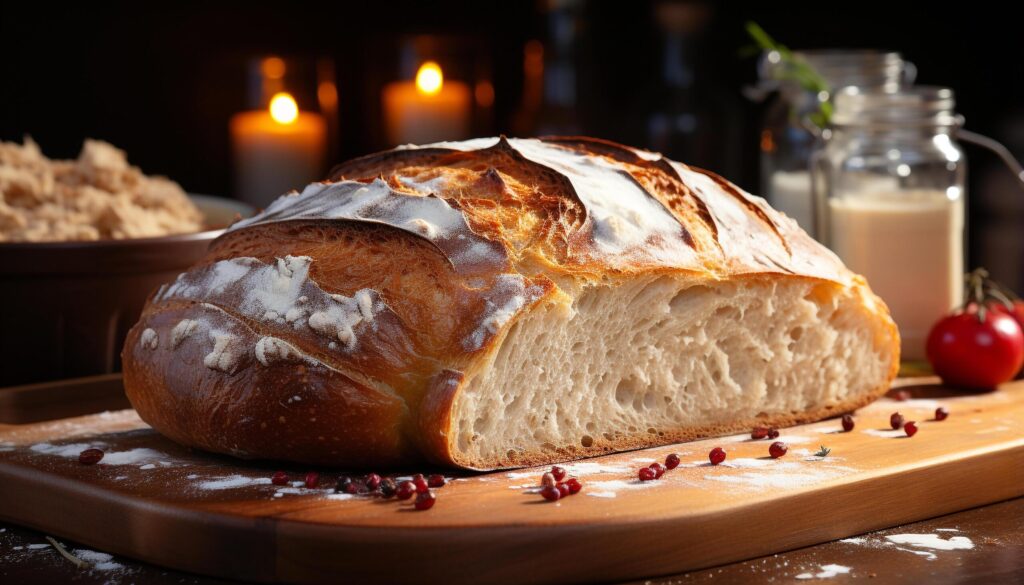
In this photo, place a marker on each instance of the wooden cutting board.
(158, 502)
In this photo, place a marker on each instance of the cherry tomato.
(969, 351)
(1017, 311)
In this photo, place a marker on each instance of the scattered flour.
(231, 482)
(133, 456)
(70, 450)
(932, 541)
(140, 455)
(796, 439)
(783, 477)
(888, 404)
(885, 433)
(826, 572)
(610, 488)
(748, 463)
(577, 469)
(923, 545)
(585, 468)
(99, 560)
(524, 474)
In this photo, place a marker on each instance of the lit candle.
(276, 150)
(428, 109)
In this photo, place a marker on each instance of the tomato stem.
(979, 288)
(974, 292)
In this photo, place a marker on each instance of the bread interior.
(660, 358)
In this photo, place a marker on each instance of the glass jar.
(889, 201)
(793, 119)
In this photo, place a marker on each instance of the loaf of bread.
(498, 303)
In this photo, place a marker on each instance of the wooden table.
(995, 530)
(997, 555)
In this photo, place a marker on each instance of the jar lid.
(866, 68)
(839, 67)
(913, 106)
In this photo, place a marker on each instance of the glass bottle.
(891, 201)
(792, 121)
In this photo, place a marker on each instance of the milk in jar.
(893, 206)
(909, 245)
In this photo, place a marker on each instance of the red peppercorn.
(436, 480)
(372, 481)
(90, 456)
(773, 433)
(279, 478)
(759, 433)
(563, 490)
(550, 493)
(347, 486)
(902, 396)
(847, 423)
(558, 472)
(405, 490)
(778, 449)
(547, 479)
(910, 427)
(425, 500)
(658, 468)
(646, 474)
(574, 485)
(896, 420)
(941, 413)
(716, 456)
(421, 483)
(312, 479)
(672, 461)
(388, 487)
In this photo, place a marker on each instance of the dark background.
(161, 83)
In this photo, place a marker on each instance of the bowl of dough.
(83, 243)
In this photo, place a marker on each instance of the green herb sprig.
(797, 70)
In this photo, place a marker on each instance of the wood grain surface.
(158, 502)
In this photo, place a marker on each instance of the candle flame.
(429, 78)
(283, 108)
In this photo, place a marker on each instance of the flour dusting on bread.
(269, 350)
(505, 298)
(227, 350)
(426, 216)
(282, 292)
(149, 339)
(182, 330)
